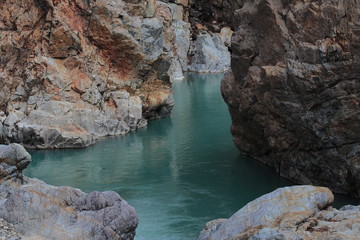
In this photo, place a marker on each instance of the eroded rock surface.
(36, 210)
(208, 53)
(299, 212)
(72, 71)
(294, 89)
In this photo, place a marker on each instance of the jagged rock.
(214, 14)
(292, 93)
(13, 160)
(7, 231)
(209, 54)
(74, 57)
(36, 210)
(299, 212)
(182, 42)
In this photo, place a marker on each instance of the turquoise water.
(179, 172)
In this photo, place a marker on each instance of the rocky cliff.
(36, 210)
(293, 92)
(73, 71)
(300, 212)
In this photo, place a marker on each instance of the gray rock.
(291, 213)
(151, 37)
(182, 42)
(286, 207)
(209, 54)
(13, 160)
(37, 210)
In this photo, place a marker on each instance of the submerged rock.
(36, 210)
(299, 212)
(293, 91)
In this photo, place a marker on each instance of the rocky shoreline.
(90, 69)
(290, 213)
(32, 209)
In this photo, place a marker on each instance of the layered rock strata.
(36, 210)
(300, 212)
(294, 89)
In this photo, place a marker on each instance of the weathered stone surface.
(293, 91)
(284, 207)
(13, 160)
(299, 212)
(37, 210)
(62, 63)
(214, 14)
(208, 53)
(7, 231)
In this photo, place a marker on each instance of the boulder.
(292, 92)
(36, 210)
(299, 212)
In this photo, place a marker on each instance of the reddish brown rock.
(62, 61)
(293, 91)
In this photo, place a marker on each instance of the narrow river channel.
(179, 172)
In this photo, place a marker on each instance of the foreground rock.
(74, 71)
(300, 212)
(37, 210)
(293, 91)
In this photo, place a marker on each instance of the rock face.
(208, 53)
(37, 210)
(293, 91)
(300, 212)
(72, 71)
(214, 14)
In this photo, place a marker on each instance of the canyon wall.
(293, 92)
(73, 71)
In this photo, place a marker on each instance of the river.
(178, 172)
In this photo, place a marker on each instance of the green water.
(179, 172)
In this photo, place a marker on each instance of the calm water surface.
(179, 172)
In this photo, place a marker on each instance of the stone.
(214, 14)
(177, 12)
(36, 210)
(7, 231)
(73, 56)
(182, 42)
(209, 54)
(284, 208)
(13, 160)
(225, 35)
(292, 90)
(291, 213)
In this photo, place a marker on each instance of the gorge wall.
(73, 71)
(293, 92)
